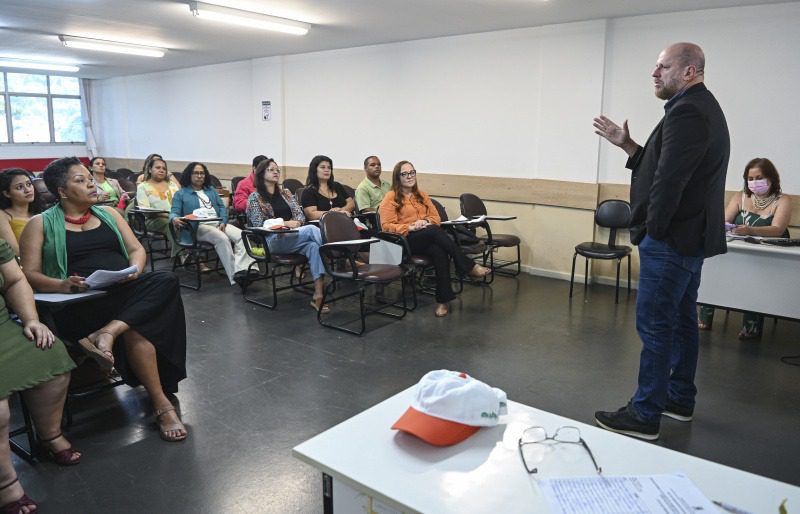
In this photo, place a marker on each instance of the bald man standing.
(677, 201)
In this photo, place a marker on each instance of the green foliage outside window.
(38, 108)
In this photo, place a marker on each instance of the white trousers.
(233, 260)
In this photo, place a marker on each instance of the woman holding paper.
(409, 212)
(760, 210)
(75, 238)
(269, 202)
(198, 197)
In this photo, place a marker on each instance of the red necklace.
(78, 221)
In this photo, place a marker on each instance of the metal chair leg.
(572, 276)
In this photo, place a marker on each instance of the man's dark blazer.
(678, 179)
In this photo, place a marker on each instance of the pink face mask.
(759, 186)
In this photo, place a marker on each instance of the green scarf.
(54, 248)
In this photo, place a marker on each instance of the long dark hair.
(261, 187)
(397, 188)
(6, 177)
(313, 180)
(186, 176)
(769, 172)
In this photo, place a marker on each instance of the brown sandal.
(164, 430)
(103, 358)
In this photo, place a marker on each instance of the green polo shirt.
(369, 196)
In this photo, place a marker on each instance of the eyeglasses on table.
(565, 434)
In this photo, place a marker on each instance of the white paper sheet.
(104, 278)
(646, 494)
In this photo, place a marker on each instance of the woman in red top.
(408, 211)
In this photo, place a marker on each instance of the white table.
(484, 474)
(753, 277)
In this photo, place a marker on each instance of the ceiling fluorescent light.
(33, 65)
(248, 18)
(100, 45)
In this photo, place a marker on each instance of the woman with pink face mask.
(760, 210)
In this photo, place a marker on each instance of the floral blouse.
(259, 209)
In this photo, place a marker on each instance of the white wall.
(41, 151)
(751, 54)
(513, 103)
(467, 104)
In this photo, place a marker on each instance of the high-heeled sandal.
(62, 458)
(16, 506)
(164, 430)
(103, 358)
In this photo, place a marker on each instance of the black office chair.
(274, 266)
(611, 214)
(472, 206)
(127, 174)
(156, 244)
(292, 184)
(191, 254)
(47, 198)
(340, 259)
(239, 218)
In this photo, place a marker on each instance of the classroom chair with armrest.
(614, 215)
(350, 277)
(271, 266)
(472, 206)
(156, 244)
(192, 253)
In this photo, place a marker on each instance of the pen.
(730, 508)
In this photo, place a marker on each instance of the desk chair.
(292, 184)
(156, 244)
(338, 232)
(233, 213)
(271, 263)
(472, 206)
(611, 214)
(468, 242)
(26, 454)
(48, 199)
(193, 253)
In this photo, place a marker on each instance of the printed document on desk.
(642, 494)
(104, 278)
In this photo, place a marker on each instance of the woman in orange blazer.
(408, 211)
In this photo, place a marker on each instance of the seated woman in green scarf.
(75, 238)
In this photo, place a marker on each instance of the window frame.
(6, 99)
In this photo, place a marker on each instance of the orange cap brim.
(436, 431)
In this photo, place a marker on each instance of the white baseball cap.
(450, 406)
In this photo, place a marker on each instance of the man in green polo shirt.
(372, 189)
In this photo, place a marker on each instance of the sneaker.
(625, 421)
(676, 411)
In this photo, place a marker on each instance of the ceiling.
(29, 28)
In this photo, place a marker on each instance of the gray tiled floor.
(263, 381)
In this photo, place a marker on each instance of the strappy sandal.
(103, 358)
(16, 506)
(62, 458)
(164, 430)
(324, 309)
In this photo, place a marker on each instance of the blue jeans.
(306, 241)
(666, 319)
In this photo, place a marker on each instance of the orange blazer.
(411, 210)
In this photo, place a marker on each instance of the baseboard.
(563, 275)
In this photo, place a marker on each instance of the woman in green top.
(108, 189)
(760, 210)
(33, 361)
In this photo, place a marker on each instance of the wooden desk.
(484, 474)
(753, 277)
